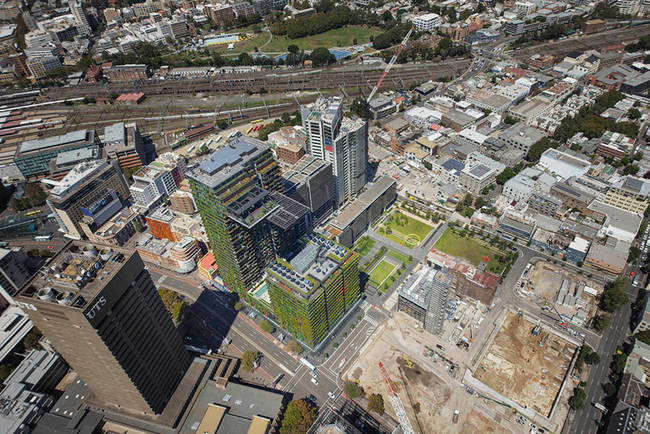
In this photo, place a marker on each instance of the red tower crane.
(390, 65)
(395, 400)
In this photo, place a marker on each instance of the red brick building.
(593, 26)
(159, 223)
(94, 74)
(542, 61)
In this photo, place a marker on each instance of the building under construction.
(424, 297)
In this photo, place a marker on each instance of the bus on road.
(600, 407)
(305, 362)
(43, 237)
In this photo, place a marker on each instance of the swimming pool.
(261, 290)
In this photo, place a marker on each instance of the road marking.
(247, 339)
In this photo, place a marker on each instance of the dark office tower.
(102, 313)
(232, 190)
(311, 183)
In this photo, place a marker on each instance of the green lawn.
(399, 256)
(470, 249)
(246, 46)
(344, 36)
(405, 230)
(381, 272)
(364, 245)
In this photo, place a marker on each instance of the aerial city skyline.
(250, 216)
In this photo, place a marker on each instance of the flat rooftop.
(162, 214)
(227, 161)
(67, 139)
(233, 408)
(288, 213)
(565, 158)
(304, 169)
(73, 156)
(76, 274)
(77, 176)
(324, 108)
(478, 171)
(374, 190)
(115, 133)
(418, 286)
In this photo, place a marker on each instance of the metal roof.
(115, 133)
(50, 142)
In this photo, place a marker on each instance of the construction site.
(426, 382)
(524, 364)
(571, 296)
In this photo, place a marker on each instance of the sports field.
(405, 230)
(381, 272)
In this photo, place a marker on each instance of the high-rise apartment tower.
(339, 140)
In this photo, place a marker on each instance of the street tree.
(298, 417)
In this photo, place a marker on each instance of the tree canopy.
(538, 148)
(326, 19)
(643, 336)
(322, 56)
(589, 121)
(298, 417)
(614, 295)
(248, 360)
(376, 403)
(601, 322)
(391, 37)
(352, 389)
(359, 107)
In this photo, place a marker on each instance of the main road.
(585, 420)
(212, 308)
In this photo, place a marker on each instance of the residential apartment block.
(312, 291)
(340, 141)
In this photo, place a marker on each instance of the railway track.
(272, 81)
(357, 76)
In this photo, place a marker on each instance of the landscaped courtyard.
(473, 250)
(381, 272)
(405, 230)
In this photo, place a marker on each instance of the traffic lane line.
(242, 321)
(341, 349)
(246, 338)
(288, 360)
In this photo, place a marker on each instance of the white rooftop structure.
(14, 326)
(579, 244)
(77, 175)
(478, 158)
(563, 164)
(619, 224)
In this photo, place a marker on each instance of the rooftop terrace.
(311, 266)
